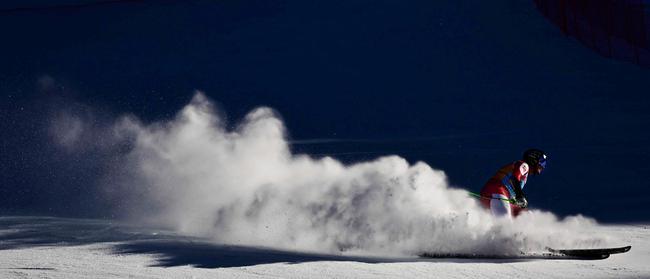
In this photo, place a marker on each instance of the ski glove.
(521, 202)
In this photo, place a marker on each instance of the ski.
(523, 256)
(554, 254)
(590, 253)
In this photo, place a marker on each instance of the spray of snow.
(244, 186)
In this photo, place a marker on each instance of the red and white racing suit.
(502, 187)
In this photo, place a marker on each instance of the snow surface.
(43, 247)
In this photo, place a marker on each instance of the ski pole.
(489, 198)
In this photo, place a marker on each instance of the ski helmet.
(535, 157)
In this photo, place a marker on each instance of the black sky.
(464, 85)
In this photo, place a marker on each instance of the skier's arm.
(520, 176)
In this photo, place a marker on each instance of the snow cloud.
(244, 186)
(69, 129)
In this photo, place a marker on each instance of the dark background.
(465, 86)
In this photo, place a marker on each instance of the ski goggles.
(542, 162)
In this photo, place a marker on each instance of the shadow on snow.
(168, 248)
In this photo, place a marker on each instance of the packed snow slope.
(42, 247)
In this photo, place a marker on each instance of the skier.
(503, 194)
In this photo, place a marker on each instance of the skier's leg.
(500, 207)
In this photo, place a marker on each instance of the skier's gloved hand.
(521, 202)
